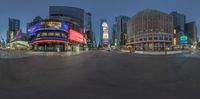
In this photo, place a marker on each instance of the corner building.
(48, 35)
(150, 30)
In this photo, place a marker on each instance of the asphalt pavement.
(101, 75)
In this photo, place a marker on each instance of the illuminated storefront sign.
(76, 36)
(184, 39)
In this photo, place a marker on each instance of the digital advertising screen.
(47, 25)
(76, 36)
(105, 32)
(54, 25)
(51, 24)
(184, 39)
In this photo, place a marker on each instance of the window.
(51, 34)
(38, 35)
(166, 38)
(44, 34)
(155, 38)
(57, 34)
(63, 35)
(150, 38)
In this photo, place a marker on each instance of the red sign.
(76, 36)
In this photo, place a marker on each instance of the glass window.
(51, 34)
(38, 35)
(150, 38)
(63, 35)
(155, 38)
(166, 38)
(44, 34)
(57, 34)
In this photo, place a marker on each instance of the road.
(101, 75)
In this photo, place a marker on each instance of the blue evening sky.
(26, 10)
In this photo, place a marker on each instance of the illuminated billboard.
(174, 41)
(54, 25)
(105, 32)
(48, 25)
(76, 36)
(184, 39)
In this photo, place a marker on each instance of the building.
(191, 30)
(54, 35)
(121, 28)
(151, 30)
(104, 33)
(16, 40)
(123, 39)
(88, 22)
(88, 30)
(14, 24)
(2, 43)
(63, 31)
(13, 27)
(69, 14)
(20, 42)
(48, 35)
(179, 21)
(114, 39)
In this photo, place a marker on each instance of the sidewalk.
(22, 54)
(155, 53)
(56, 53)
(13, 54)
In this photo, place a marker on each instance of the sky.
(26, 10)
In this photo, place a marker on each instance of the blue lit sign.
(184, 39)
(49, 25)
(33, 29)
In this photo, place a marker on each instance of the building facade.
(88, 30)
(191, 30)
(179, 21)
(69, 14)
(2, 43)
(114, 38)
(121, 28)
(13, 27)
(48, 35)
(151, 30)
(54, 35)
